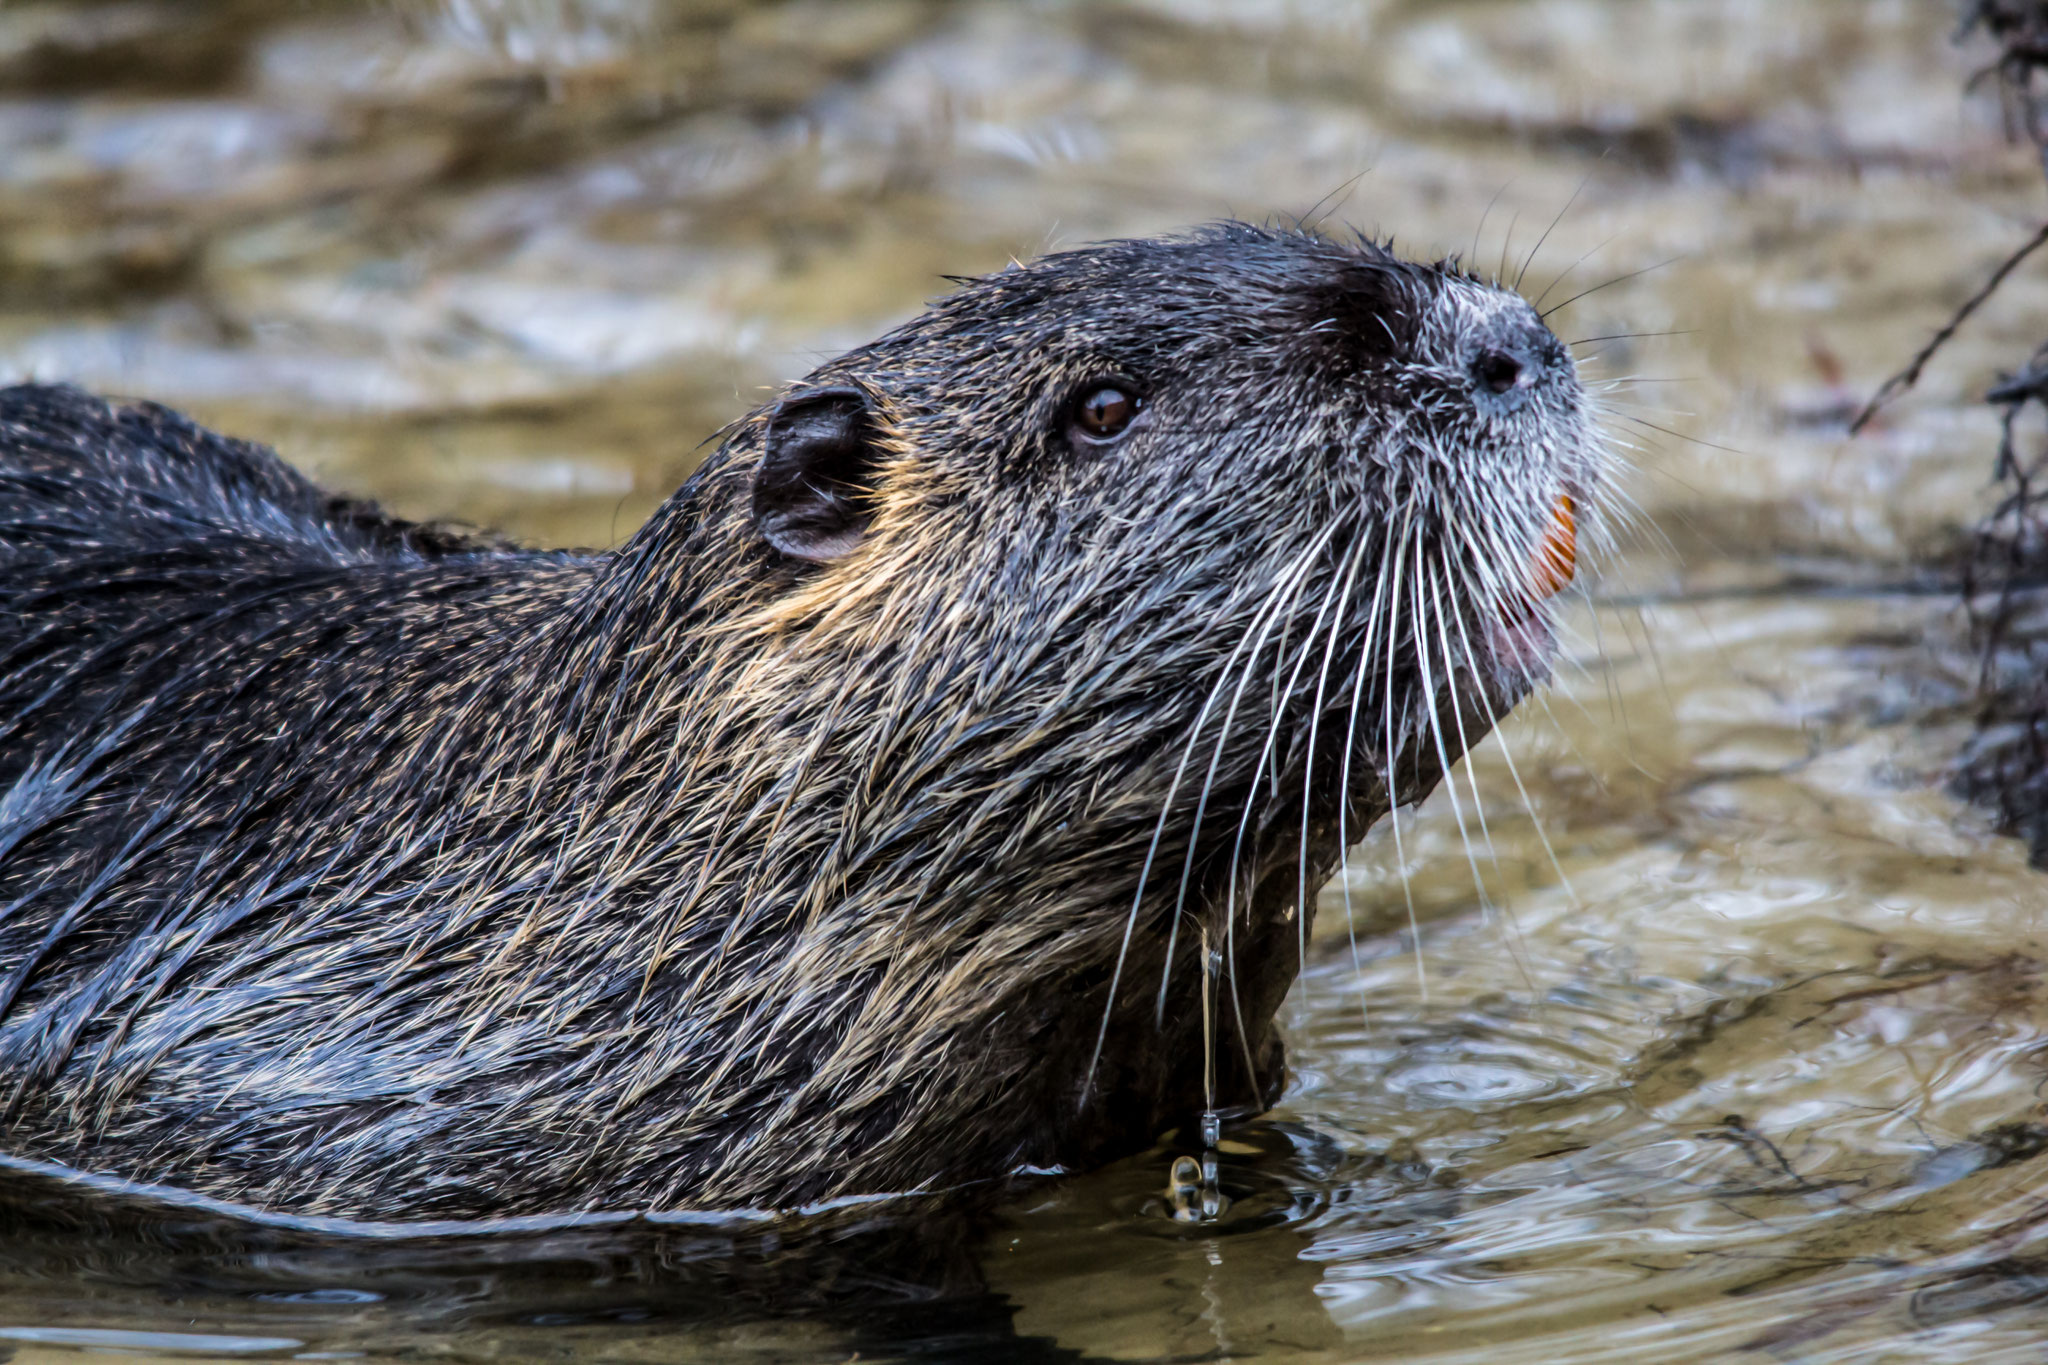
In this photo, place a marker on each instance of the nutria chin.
(866, 823)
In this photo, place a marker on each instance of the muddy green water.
(1738, 1053)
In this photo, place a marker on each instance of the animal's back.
(190, 633)
(130, 535)
(81, 477)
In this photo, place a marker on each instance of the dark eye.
(1105, 411)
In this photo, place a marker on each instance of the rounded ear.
(817, 465)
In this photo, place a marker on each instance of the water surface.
(1737, 1051)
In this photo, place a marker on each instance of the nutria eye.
(1103, 413)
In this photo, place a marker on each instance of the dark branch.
(1908, 377)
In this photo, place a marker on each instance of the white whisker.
(1152, 849)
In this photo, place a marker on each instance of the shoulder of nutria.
(889, 813)
(79, 474)
(162, 588)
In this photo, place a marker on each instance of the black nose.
(1497, 370)
(1510, 358)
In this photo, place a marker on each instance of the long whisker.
(1432, 710)
(1562, 274)
(1517, 943)
(1390, 754)
(1494, 719)
(1152, 849)
(1634, 336)
(1530, 259)
(1667, 431)
(1388, 550)
(1337, 592)
(1283, 595)
(1458, 712)
(1362, 543)
(1251, 801)
(1513, 934)
(1486, 213)
(1609, 284)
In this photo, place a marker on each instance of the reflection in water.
(864, 1276)
(1737, 1053)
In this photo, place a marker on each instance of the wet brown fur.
(358, 868)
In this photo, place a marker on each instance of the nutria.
(865, 823)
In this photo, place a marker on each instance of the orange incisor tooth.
(1558, 555)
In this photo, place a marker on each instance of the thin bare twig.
(1908, 377)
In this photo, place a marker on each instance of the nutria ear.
(817, 466)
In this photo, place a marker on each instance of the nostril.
(1497, 370)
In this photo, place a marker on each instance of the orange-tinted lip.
(1558, 556)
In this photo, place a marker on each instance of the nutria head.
(859, 826)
